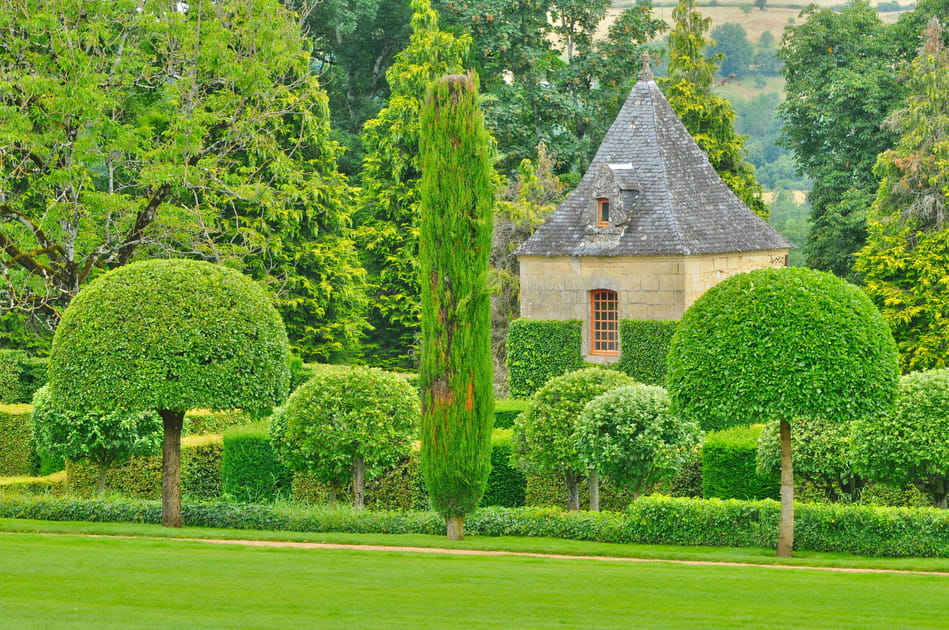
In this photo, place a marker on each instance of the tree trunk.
(359, 469)
(594, 483)
(573, 492)
(456, 527)
(171, 468)
(786, 528)
(100, 487)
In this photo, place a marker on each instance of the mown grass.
(78, 581)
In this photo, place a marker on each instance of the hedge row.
(644, 345)
(16, 440)
(249, 468)
(20, 376)
(506, 411)
(539, 350)
(729, 466)
(863, 530)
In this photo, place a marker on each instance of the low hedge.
(539, 350)
(729, 466)
(205, 421)
(48, 484)
(249, 468)
(551, 491)
(644, 345)
(506, 411)
(140, 477)
(863, 530)
(17, 455)
(507, 484)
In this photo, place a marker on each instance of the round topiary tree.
(347, 424)
(628, 435)
(910, 446)
(543, 433)
(822, 456)
(105, 439)
(782, 344)
(169, 336)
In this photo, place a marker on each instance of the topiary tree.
(628, 435)
(169, 336)
(822, 455)
(910, 446)
(105, 439)
(782, 344)
(456, 378)
(347, 424)
(543, 433)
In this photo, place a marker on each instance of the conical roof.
(669, 200)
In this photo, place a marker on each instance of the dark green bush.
(10, 375)
(644, 345)
(250, 469)
(16, 440)
(506, 483)
(506, 411)
(538, 350)
(33, 375)
(729, 466)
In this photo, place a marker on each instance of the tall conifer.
(454, 244)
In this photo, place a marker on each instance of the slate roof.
(681, 207)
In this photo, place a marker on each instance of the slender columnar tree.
(455, 240)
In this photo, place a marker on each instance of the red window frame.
(604, 322)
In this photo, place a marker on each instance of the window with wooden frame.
(603, 212)
(604, 322)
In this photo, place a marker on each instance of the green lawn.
(78, 582)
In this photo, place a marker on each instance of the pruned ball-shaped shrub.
(170, 334)
(343, 415)
(912, 444)
(777, 344)
(628, 435)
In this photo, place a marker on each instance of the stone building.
(649, 228)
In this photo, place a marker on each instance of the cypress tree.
(455, 240)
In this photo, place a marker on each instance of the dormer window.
(603, 212)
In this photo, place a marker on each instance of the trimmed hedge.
(205, 421)
(141, 476)
(399, 487)
(539, 350)
(506, 411)
(34, 372)
(507, 484)
(48, 484)
(644, 345)
(250, 469)
(550, 492)
(729, 460)
(20, 376)
(16, 440)
(658, 520)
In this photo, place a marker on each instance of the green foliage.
(822, 453)
(791, 219)
(10, 375)
(548, 491)
(48, 484)
(708, 117)
(539, 350)
(628, 435)
(249, 468)
(170, 335)
(544, 433)
(728, 466)
(140, 476)
(779, 344)
(507, 411)
(731, 42)
(103, 438)
(906, 257)
(34, 372)
(644, 345)
(506, 484)
(388, 219)
(345, 414)
(910, 445)
(204, 421)
(398, 487)
(455, 367)
(16, 434)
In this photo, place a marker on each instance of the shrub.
(628, 435)
(33, 375)
(250, 469)
(547, 491)
(399, 487)
(346, 422)
(539, 350)
(506, 483)
(729, 466)
(16, 439)
(203, 421)
(54, 484)
(644, 345)
(10, 375)
(506, 411)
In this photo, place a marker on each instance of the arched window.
(603, 212)
(604, 322)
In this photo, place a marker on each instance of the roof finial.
(646, 73)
